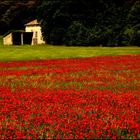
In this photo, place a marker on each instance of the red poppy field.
(81, 98)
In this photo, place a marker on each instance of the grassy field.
(26, 52)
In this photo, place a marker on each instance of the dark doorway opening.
(27, 38)
(16, 38)
(22, 38)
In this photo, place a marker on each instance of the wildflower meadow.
(79, 98)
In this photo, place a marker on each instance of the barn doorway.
(22, 38)
(27, 38)
(16, 38)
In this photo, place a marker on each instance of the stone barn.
(31, 36)
(34, 26)
(18, 38)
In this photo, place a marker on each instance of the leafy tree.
(76, 34)
(57, 35)
(76, 22)
(106, 16)
(132, 30)
(134, 14)
(14, 14)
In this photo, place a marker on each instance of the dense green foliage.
(77, 22)
(15, 13)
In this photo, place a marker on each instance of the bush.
(94, 36)
(56, 36)
(122, 39)
(76, 35)
(136, 40)
(101, 37)
(133, 35)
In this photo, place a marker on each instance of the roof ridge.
(33, 22)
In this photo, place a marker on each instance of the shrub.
(76, 34)
(133, 35)
(56, 36)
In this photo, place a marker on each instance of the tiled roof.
(34, 22)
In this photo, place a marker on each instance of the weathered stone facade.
(31, 36)
(35, 27)
(7, 40)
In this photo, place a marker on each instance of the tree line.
(76, 22)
